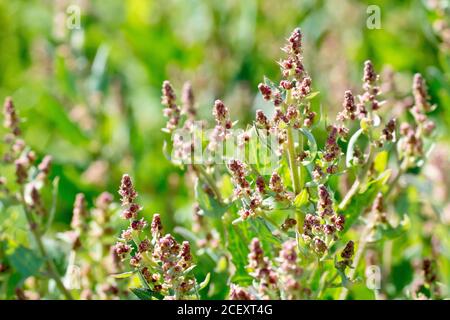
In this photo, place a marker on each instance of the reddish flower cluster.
(172, 110)
(162, 262)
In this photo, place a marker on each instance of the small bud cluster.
(172, 110)
(290, 273)
(411, 144)
(320, 229)
(347, 256)
(261, 268)
(161, 260)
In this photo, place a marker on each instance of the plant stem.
(292, 165)
(365, 234)
(359, 179)
(48, 261)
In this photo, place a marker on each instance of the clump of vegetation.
(296, 226)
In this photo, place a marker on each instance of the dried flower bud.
(188, 100)
(21, 170)
(275, 184)
(348, 251)
(325, 204)
(122, 249)
(156, 226)
(11, 121)
(369, 73)
(265, 90)
(127, 191)
(420, 93)
(239, 293)
(172, 111)
(80, 212)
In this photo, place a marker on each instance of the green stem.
(292, 165)
(359, 179)
(48, 261)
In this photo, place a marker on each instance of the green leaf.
(145, 294)
(301, 199)
(380, 161)
(209, 205)
(205, 282)
(312, 144)
(351, 147)
(25, 261)
(124, 275)
(312, 95)
(360, 201)
(237, 246)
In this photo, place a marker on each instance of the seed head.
(127, 191)
(188, 100)
(11, 121)
(156, 226)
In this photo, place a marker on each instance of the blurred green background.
(90, 96)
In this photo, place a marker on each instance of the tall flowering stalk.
(30, 181)
(164, 266)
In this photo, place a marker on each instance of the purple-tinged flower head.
(261, 120)
(420, 94)
(349, 112)
(292, 113)
(288, 258)
(12, 120)
(131, 212)
(122, 249)
(127, 234)
(156, 226)
(135, 260)
(348, 251)
(127, 191)
(238, 172)
(325, 204)
(279, 116)
(239, 293)
(260, 185)
(311, 222)
(262, 269)
(104, 200)
(304, 88)
(80, 212)
(338, 221)
(370, 76)
(389, 130)
(22, 165)
(138, 225)
(295, 41)
(309, 118)
(188, 101)
(266, 91)
(332, 149)
(36, 201)
(44, 168)
(319, 246)
(329, 229)
(276, 184)
(144, 246)
(428, 127)
(171, 110)
(185, 255)
(221, 114)
(288, 224)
